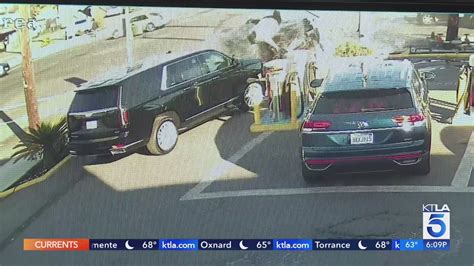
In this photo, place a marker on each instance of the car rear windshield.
(95, 99)
(363, 101)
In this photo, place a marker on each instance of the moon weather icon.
(361, 246)
(241, 245)
(128, 246)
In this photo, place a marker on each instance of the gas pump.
(285, 92)
(465, 88)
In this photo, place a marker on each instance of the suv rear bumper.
(105, 146)
(366, 160)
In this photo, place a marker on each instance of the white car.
(83, 24)
(4, 68)
(148, 22)
(114, 11)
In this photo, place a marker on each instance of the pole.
(29, 84)
(453, 27)
(358, 27)
(129, 38)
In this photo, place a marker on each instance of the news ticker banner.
(74, 244)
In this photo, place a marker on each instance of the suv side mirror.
(428, 75)
(234, 61)
(316, 83)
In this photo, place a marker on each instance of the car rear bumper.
(105, 146)
(367, 160)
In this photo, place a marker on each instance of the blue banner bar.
(352, 244)
(292, 244)
(407, 244)
(123, 244)
(436, 244)
(269, 244)
(178, 244)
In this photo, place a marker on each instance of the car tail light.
(125, 117)
(316, 125)
(412, 120)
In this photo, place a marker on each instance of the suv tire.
(308, 175)
(164, 135)
(424, 167)
(242, 105)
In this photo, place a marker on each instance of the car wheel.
(427, 19)
(115, 34)
(150, 27)
(2, 72)
(252, 96)
(424, 167)
(309, 176)
(164, 136)
(242, 105)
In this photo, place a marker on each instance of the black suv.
(368, 117)
(148, 106)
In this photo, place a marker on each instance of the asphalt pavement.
(212, 187)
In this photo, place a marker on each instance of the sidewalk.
(19, 208)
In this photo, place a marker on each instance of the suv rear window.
(95, 99)
(363, 101)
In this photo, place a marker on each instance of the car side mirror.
(234, 61)
(428, 75)
(316, 83)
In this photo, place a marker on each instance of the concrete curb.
(434, 56)
(30, 183)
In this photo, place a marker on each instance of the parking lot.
(222, 181)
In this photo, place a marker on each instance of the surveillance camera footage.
(146, 135)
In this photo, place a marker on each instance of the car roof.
(369, 74)
(117, 75)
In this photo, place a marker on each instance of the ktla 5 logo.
(436, 221)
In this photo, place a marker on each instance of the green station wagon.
(370, 117)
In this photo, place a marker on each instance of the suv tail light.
(124, 116)
(316, 125)
(412, 120)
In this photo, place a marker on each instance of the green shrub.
(47, 142)
(352, 49)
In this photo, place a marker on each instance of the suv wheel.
(308, 175)
(253, 94)
(424, 167)
(164, 136)
(242, 105)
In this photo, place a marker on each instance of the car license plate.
(362, 138)
(91, 124)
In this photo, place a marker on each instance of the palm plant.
(47, 142)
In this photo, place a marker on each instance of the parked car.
(432, 18)
(148, 106)
(111, 11)
(465, 20)
(366, 118)
(82, 24)
(148, 22)
(4, 68)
